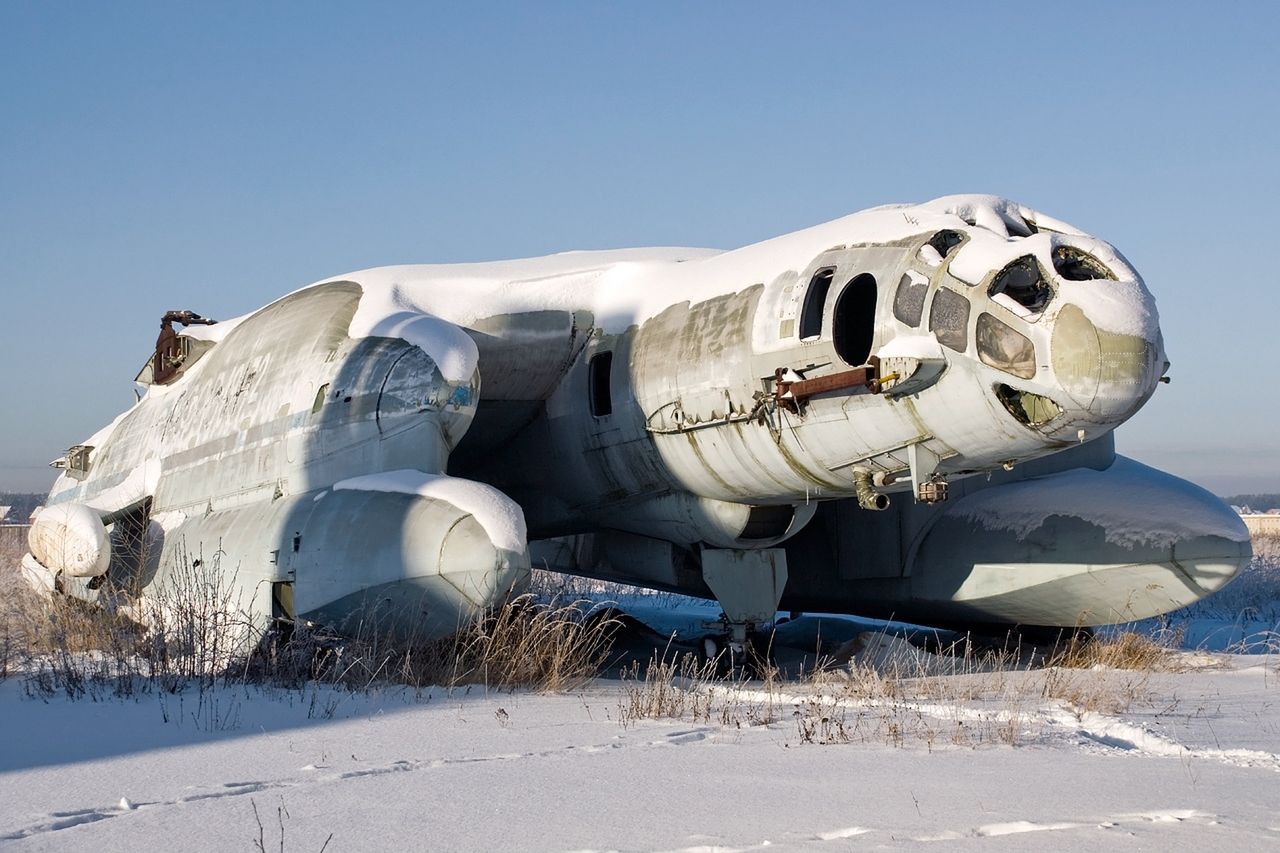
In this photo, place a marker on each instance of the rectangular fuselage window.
(949, 319)
(598, 384)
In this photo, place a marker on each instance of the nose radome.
(1106, 373)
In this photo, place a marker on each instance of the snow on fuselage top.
(625, 287)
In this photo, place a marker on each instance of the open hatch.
(174, 353)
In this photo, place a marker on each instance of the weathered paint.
(242, 448)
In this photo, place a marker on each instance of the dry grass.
(192, 632)
(1128, 651)
(1267, 547)
(876, 689)
(525, 644)
(887, 691)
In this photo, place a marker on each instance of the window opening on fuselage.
(1000, 346)
(1075, 264)
(815, 299)
(1023, 282)
(853, 325)
(944, 241)
(949, 319)
(908, 302)
(598, 392)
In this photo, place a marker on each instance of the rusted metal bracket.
(170, 353)
(792, 395)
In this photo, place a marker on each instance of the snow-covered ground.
(1196, 767)
(1193, 763)
(1017, 759)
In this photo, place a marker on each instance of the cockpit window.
(908, 302)
(944, 241)
(1075, 264)
(949, 319)
(1023, 282)
(1005, 349)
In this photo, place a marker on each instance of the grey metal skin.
(251, 447)
(656, 495)
(632, 445)
(932, 564)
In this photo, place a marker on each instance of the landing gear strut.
(748, 585)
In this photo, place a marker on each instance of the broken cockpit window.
(1022, 282)
(1005, 349)
(944, 241)
(936, 249)
(949, 319)
(1031, 409)
(1075, 264)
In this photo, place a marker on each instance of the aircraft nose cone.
(1107, 374)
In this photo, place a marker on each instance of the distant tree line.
(1257, 503)
(24, 503)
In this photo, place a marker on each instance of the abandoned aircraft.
(905, 412)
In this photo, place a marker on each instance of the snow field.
(891, 747)
(1194, 765)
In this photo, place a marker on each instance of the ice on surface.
(453, 351)
(70, 537)
(1000, 216)
(100, 437)
(501, 517)
(141, 483)
(214, 333)
(168, 521)
(1153, 508)
(922, 347)
(625, 287)
(1124, 306)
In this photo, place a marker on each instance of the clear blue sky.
(213, 156)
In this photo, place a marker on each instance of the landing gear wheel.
(739, 660)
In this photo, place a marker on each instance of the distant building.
(4, 514)
(1263, 523)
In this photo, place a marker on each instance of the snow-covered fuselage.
(640, 408)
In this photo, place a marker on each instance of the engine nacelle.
(70, 538)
